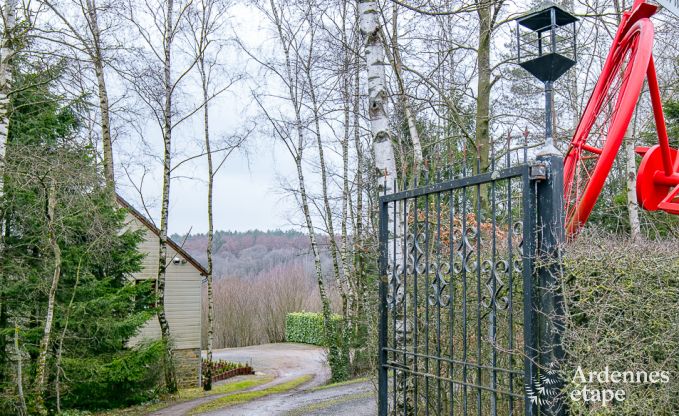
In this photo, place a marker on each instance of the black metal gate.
(457, 296)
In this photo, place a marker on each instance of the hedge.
(622, 299)
(306, 327)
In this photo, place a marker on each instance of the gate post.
(383, 279)
(550, 313)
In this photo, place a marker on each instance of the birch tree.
(385, 162)
(156, 86)
(6, 52)
(206, 20)
(88, 43)
(293, 36)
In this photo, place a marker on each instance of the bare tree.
(87, 43)
(156, 86)
(207, 20)
(295, 38)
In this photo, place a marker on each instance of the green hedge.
(306, 327)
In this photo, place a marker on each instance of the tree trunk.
(342, 286)
(631, 175)
(361, 327)
(97, 60)
(210, 227)
(41, 370)
(336, 366)
(483, 88)
(630, 158)
(385, 162)
(170, 376)
(6, 52)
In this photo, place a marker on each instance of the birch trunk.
(385, 163)
(104, 108)
(360, 325)
(41, 370)
(346, 197)
(630, 159)
(333, 353)
(483, 87)
(341, 283)
(6, 53)
(210, 226)
(631, 175)
(350, 334)
(170, 376)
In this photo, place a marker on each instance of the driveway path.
(284, 361)
(354, 399)
(287, 362)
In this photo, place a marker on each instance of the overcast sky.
(247, 194)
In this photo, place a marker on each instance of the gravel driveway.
(287, 362)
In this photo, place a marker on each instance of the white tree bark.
(170, 375)
(104, 109)
(6, 52)
(385, 162)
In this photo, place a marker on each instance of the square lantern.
(546, 42)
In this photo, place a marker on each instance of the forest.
(354, 99)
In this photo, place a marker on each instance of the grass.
(188, 394)
(305, 410)
(341, 383)
(247, 396)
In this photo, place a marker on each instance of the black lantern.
(546, 47)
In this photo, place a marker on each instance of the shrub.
(622, 301)
(127, 378)
(306, 327)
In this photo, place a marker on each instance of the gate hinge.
(538, 172)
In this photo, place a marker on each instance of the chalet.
(182, 297)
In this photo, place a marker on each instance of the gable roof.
(176, 247)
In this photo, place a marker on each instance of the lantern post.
(546, 47)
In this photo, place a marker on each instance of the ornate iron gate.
(457, 312)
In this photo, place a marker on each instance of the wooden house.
(184, 277)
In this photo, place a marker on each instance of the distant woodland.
(259, 277)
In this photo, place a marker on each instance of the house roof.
(176, 247)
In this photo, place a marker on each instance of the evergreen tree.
(65, 267)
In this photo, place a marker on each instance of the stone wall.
(187, 364)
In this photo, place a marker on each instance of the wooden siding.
(182, 293)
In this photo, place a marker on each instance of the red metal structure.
(604, 122)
